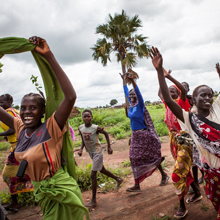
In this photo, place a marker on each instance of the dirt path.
(152, 201)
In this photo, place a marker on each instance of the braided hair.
(7, 97)
(40, 97)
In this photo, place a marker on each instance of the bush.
(84, 181)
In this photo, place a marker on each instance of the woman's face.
(132, 96)
(31, 112)
(4, 103)
(173, 92)
(204, 98)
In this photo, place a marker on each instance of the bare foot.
(119, 182)
(91, 204)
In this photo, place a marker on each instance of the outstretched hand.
(41, 45)
(156, 57)
(217, 68)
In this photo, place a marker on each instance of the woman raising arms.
(203, 127)
(145, 148)
(39, 146)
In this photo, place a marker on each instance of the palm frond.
(134, 74)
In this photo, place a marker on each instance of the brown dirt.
(152, 201)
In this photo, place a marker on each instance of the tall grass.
(117, 124)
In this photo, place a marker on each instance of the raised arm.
(177, 83)
(217, 69)
(67, 103)
(157, 61)
(160, 94)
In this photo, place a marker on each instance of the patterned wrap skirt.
(145, 154)
(16, 185)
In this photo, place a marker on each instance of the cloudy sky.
(186, 32)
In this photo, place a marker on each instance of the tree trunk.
(124, 71)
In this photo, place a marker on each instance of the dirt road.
(154, 200)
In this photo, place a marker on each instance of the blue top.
(136, 113)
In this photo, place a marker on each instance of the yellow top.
(11, 138)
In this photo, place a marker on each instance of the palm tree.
(119, 37)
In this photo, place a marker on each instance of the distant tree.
(113, 102)
(147, 102)
(1, 65)
(120, 37)
(16, 106)
(216, 93)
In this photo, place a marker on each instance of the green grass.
(24, 199)
(117, 124)
(4, 146)
(106, 184)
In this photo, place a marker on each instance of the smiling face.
(186, 86)
(31, 113)
(203, 98)
(132, 96)
(87, 118)
(173, 92)
(5, 103)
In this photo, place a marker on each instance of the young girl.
(16, 185)
(203, 127)
(39, 146)
(89, 134)
(145, 148)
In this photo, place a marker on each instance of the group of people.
(36, 146)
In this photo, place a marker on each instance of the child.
(39, 144)
(16, 185)
(89, 133)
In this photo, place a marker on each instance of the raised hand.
(42, 46)
(166, 73)
(217, 68)
(156, 57)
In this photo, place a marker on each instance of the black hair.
(87, 110)
(178, 92)
(185, 83)
(195, 91)
(7, 97)
(40, 97)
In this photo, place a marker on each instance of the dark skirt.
(145, 154)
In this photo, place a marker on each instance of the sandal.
(180, 215)
(11, 208)
(164, 182)
(191, 200)
(133, 189)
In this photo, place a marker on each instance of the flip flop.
(180, 215)
(164, 182)
(190, 200)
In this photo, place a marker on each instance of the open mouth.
(28, 120)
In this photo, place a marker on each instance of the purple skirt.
(145, 154)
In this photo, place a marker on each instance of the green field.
(117, 124)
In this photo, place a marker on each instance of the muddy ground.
(152, 202)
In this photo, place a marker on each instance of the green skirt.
(60, 197)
